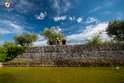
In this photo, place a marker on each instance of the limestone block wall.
(113, 52)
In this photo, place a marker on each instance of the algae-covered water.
(61, 74)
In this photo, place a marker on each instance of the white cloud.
(101, 7)
(67, 6)
(40, 37)
(60, 6)
(60, 18)
(4, 31)
(79, 20)
(91, 20)
(71, 18)
(23, 6)
(8, 27)
(88, 32)
(56, 5)
(41, 41)
(57, 29)
(16, 27)
(96, 9)
(41, 16)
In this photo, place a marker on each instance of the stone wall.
(73, 55)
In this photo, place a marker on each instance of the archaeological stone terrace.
(71, 55)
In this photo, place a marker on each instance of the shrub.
(3, 57)
(3, 54)
(10, 52)
(95, 39)
(13, 51)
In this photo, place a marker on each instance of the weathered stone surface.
(113, 53)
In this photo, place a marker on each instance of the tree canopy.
(51, 34)
(25, 39)
(116, 30)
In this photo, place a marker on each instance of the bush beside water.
(10, 52)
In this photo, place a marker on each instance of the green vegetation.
(95, 39)
(8, 44)
(61, 75)
(10, 52)
(108, 42)
(51, 34)
(3, 54)
(116, 30)
(25, 39)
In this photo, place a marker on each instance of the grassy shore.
(62, 75)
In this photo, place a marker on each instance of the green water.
(61, 75)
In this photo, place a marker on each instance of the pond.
(61, 74)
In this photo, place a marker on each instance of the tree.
(95, 39)
(116, 30)
(25, 39)
(51, 34)
(7, 44)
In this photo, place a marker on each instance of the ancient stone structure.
(73, 55)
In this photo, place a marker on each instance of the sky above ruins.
(77, 19)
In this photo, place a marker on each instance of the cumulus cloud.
(88, 33)
(91, 20)
(71, 18)
(58, 30)
(60, 18)
(41, 16)
(80, 19)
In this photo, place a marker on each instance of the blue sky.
(77, 19)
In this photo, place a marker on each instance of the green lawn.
(61, 75)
